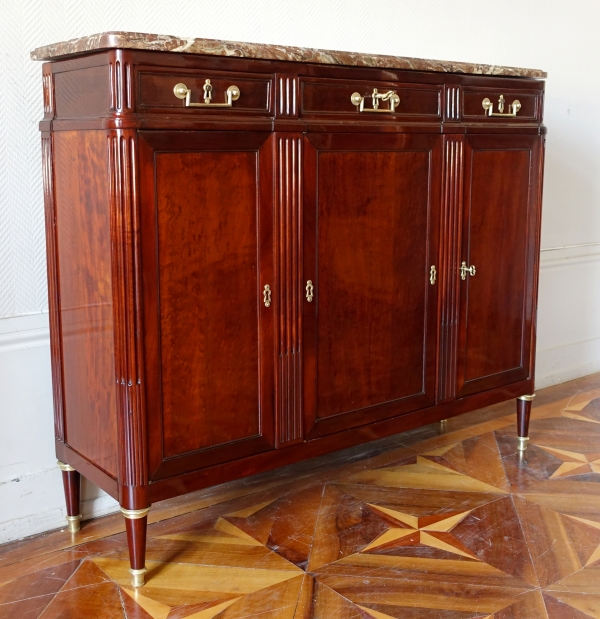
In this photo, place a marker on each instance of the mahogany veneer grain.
(181, 240)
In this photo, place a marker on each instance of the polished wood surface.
(523, 417)
(426, 524)
(450, 256)
(206, 337)
(130, 66)
(86, 318)
(370, 232)
(290, 286)
(81, 89)
(207, 223)
(156, 90)
(331, 97)
(498, 237)
(166, 223)
(72, 487)
(530, 100)
(136, 541)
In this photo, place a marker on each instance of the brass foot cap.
(522, 443)
(66, 468)
(73, 522)
(135, 514)
(526, 398)
(137, 577)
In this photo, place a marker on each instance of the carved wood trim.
(450, 248)
(453, 100)
(288, 226)
(126, 278)
(53, 286)
(120, 79)
(536, 252)
(48, 84)
(287, 95)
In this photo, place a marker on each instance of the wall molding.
(24, 339)
(567, 256)
(567, 374)
(24, 331)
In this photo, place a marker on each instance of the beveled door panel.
(208, 255)
(500, 240)
(370, 239)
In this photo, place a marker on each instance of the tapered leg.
(136, 521)
(72, 485)
(523, 415)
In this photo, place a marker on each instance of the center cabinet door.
(207, 255)
(371, 219)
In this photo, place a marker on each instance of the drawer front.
(473, 109)
(335, 97)
(156, 90)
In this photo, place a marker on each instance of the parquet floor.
(423, 525)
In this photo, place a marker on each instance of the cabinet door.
(371, 214)
(207, 254)
(500, 239)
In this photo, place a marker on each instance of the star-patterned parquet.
(427, 525)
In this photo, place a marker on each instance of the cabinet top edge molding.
(214, 47)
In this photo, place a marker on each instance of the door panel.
(499, 240)
(208, 212)
(370, 238)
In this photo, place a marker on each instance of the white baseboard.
(26, 331)
(567, 374)
(37, 504)
(31, 493)
(564, 363)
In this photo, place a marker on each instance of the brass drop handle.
(488, 106)
(181, 91)
(358, 100)
(432, 274)
(309, 291)
(464, 269)
(267, 296)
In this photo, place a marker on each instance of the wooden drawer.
(155, 90)
(472, 108)
(334, 97)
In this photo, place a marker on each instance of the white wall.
(557, 36)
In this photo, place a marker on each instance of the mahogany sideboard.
(260, 254)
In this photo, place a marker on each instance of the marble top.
(213, 47)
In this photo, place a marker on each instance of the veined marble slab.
(213, 47)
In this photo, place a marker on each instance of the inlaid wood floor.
(429, 524)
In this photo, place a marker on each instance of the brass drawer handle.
(464, 269)
(432, 274)
(181, 91)
(267, 295)
(309, 291)
(358, 100)
(488, 106)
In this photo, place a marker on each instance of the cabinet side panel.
(83, 244)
